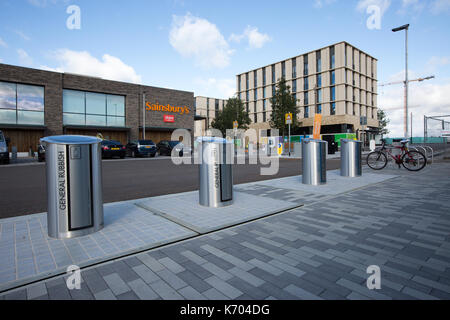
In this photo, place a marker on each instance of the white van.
(4, 152)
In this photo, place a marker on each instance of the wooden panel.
(23, 139)
(156, 136)
(121, 136)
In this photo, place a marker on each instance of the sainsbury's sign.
(166, 108)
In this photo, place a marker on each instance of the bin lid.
(213, 139)
(349, 140)
(71, 139)
(308, 140)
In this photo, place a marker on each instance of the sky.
(200, 45)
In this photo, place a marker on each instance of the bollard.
(314, 162)
(351, 165)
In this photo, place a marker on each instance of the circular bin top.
(213, 139)
(308, 140)
(349, 140)
(71, 139)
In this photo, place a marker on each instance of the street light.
(405, 27)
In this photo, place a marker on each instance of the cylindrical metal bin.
(215, 172)
(351, 165)
(74, 185)
(314, 162)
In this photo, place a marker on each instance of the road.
(23, 187)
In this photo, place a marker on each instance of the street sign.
(288, 118)
(235, 124)
(279, 149)
(317, 125)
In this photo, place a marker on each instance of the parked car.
(165, 148)
(141, 148)
(41, 153)
(4, 152)
(111, 148)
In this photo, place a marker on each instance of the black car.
(111, 148)
(141, 148)
(165, 147)
(41, 153)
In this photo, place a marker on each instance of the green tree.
(233, 110)
(283, 102)
(383, 121)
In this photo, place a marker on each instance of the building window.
(318, 61)
(273, 74)
(319, 95)
(333, 93)
(264, 105)
(246, 81)
(332, 77)
(273, 90)
(240, 96)
(333, 108)
(295, 97)
(239, 82)
(332, 58)
(319, 108)
(346, 108)
(319, 80)
(264, 92)
(294, 68)
(264, 117)
(305, 98)
(306, 112)
(353, 59)
(21, 104)
(216, 108)
(264, 76)
(305, 65)
(255, 79)
(305, 84)
(283, 69)
(246, 96)
(93, 109)
(255, 117)
(255, 94)
(294, 85)
(246, 107)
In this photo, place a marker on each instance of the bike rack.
(425, 152)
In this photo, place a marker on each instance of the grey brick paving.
(319, 251)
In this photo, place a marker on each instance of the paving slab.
(27, 254)
(336, 184)
(185, 210)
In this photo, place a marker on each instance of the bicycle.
(410, 159)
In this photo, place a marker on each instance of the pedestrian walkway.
(320, 250)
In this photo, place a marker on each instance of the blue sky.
(200, 46)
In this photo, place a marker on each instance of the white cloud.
(440, 6)
(22, 35)
(435, 63)
(82, 62)
(3, 43)
(382, 4)
(1, 60)
(424, 98)
(24, 58)
(415, 5)
(321, 3)
(198, 38)
(255, 38)
(217, 88)
(44, 3)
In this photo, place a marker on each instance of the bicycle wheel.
(376, 160)
(414, 160)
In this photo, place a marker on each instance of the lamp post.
(405, 27)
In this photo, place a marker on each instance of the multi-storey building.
(339, 81)
(206, 110)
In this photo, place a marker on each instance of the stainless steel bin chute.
(314, 162)
(215, 172)
(351, 165)
(74, 185)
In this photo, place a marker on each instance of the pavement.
(319, 249)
